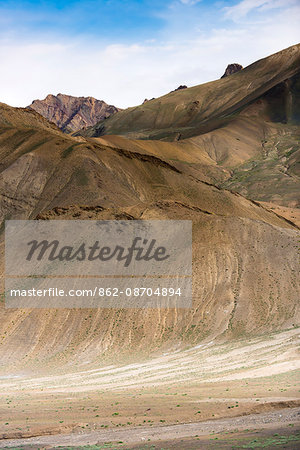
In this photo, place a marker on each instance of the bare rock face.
(232, 68)
(73, 113)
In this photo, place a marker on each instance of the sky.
(125, 51)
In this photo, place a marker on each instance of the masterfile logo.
(83, 247)
(139, 250)
(71, 252)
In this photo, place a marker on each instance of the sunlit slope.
(190, 112)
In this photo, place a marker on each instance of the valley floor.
(188, 395)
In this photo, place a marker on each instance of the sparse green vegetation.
(67, 151)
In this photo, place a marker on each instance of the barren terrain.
(203, 388)
(224, 155)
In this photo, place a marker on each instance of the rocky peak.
(231, 69)
(73, 113)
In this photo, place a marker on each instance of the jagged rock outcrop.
(73, 113)
(182, 86)
(148, 100)
(231, 69)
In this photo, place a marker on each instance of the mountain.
(73, 113)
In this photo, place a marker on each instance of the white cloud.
(126, 74)
(245, 7)
(190, 2)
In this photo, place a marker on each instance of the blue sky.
(112, 20)
(104, 19)
(124, 51)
